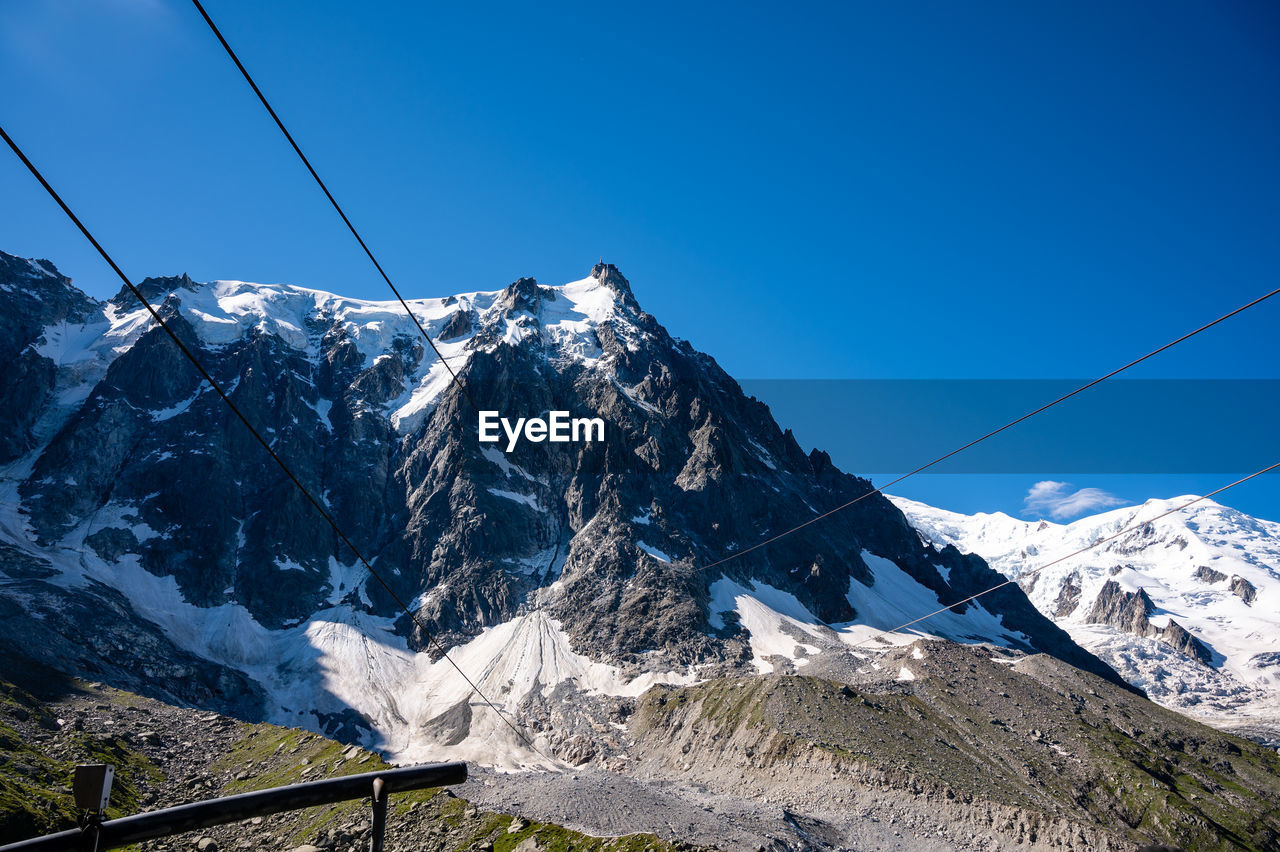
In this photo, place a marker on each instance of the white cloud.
(1057, 501)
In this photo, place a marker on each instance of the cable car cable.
(431, 639)
(347, 221)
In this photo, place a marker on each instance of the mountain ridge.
(137, 481)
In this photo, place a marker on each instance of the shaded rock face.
(36, 297)
(459, 325)
(1176, 636)
(96, 633)
(151, 467)
(197, 498)
(1068, 597)
(1130, 611)
(1127, 610)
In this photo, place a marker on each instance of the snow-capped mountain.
(147, 540)
(1186, 607)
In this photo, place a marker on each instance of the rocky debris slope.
(167, 755)
(1185, 607)
(579, 566)
(1015, 750)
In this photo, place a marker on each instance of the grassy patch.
(35, 788)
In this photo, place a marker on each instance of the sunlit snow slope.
(1211, 569)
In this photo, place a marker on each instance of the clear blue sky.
(850, 190)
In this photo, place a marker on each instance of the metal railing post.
(125, 831)
(379, 816)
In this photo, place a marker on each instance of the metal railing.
(114, 833)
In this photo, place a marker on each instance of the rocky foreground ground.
(168, 755)
(931, 747)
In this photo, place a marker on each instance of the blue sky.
(853, 190)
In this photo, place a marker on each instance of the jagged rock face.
(145, 467)
(1244, 590)
(692, 467)
(1176, 636)
(1126, 610)
(1129, 611)
(196, 497)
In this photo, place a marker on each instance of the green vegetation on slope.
(35, 784)
(37, 758)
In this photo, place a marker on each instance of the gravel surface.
(600, 802)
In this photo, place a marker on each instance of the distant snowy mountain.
(1187, 607)
(147, 541)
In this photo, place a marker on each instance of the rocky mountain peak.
(29, 268)
(1131, 611)
(154, 289)
(38, 305)
(819, 460)
(1244, 590)
(523, 294)
(608, 275)
(1176, 636)
(39, 291)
